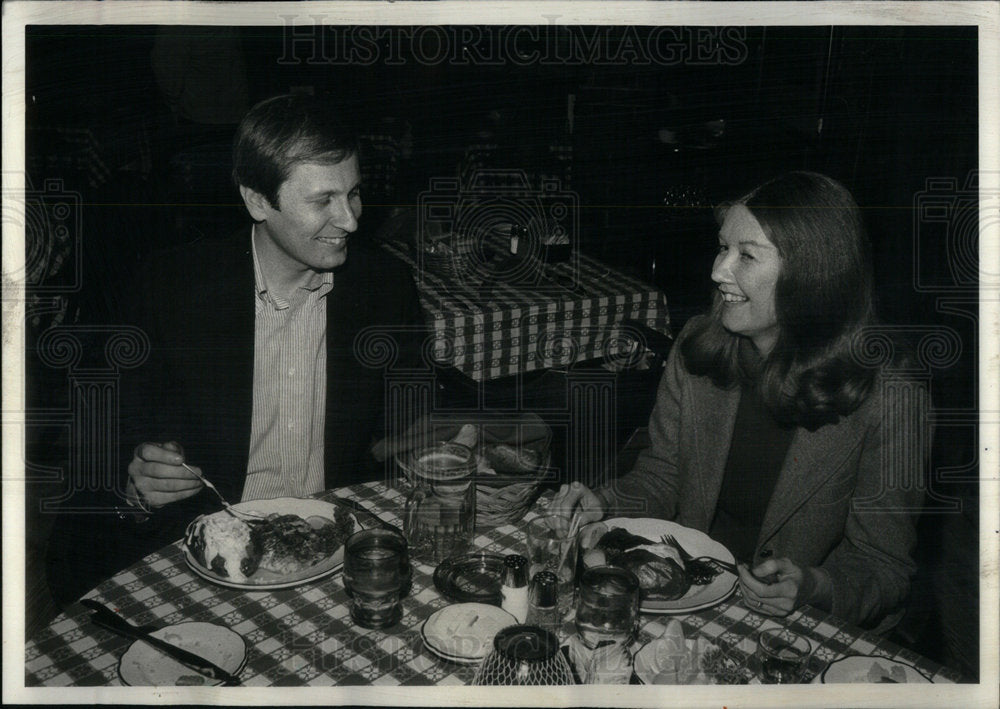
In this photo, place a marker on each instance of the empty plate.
(143, 665)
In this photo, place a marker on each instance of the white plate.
(263, 580)
(142, 665)
(464, 632)
(854, 668)
(696, 544)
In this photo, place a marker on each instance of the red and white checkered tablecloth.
(304, 636)
(564, 313)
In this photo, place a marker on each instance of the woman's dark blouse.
(756, 454)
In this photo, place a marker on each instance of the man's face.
(318, 207)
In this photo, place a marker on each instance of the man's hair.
(282, 131)
(823, 302)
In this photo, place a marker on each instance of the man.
(253, 379)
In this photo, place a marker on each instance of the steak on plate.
(289, 544)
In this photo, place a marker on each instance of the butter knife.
(108, 619)
(358, 508)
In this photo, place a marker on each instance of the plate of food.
(143, 665)
(667, 584)
(871, 669)
(297, 541)
(464, 632)
(674, 659)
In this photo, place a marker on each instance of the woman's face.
(746, 270)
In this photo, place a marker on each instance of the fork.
(229, 508)
(701, 565)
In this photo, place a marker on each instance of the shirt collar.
(317, 281)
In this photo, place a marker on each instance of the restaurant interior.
(644, 143)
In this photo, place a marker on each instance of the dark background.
(883, 109)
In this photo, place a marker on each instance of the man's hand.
(577, 498)
(779, 586)
(156, 476)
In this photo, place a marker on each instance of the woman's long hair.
(823, 301)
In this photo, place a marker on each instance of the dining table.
(562, 312)
(304, 636)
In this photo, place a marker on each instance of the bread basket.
(512, 461)
(503, 497)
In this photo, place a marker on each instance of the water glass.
(608, 606)
(783, 655)
(375, 570)
(551, 548)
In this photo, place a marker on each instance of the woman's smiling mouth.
(733, 298)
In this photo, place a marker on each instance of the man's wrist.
(140, 510)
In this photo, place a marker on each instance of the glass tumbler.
(608, 606)
(783, 655)
(551, 548)
(376, 569)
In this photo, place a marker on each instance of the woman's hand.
(577, 497)
(156, 476)
(778, 586)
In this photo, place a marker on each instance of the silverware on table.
(229, 508)
(700, 565)
(108, 619)
(360, 509)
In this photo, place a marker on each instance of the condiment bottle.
(543, 601)
(514, 587)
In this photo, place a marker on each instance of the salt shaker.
(514, 586)
(543, 601)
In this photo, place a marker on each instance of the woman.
(772, 430)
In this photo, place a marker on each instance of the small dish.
(470, 578)
(142, 665)
(464, 632)
(865, 669)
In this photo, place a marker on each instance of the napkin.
(527, 432)
(610, 663)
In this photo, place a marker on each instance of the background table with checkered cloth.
(564, 313)
(304, 635)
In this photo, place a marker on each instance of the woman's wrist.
(606, 497)
(816, 589)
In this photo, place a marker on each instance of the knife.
(358, 508)
(108, 619)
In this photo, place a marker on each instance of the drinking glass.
(783, 655)
(551, 548)
(608, 607)
(375, 571)
(439, 517)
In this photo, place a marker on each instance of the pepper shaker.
(514, 587)
(543, 601)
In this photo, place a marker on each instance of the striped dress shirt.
(289, 389)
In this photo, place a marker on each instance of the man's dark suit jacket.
(196, 304)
